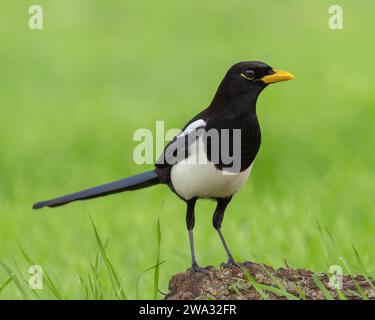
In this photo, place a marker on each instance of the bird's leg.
(230, 257)
(217, 221)
(190, 221)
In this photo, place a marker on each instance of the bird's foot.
(230, 263)
(196, 268)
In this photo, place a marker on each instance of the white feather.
(193, 126)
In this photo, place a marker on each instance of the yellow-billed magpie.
(193, 164)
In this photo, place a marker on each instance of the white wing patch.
(179, 144)
(193, 126)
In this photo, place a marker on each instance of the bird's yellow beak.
(279, 75)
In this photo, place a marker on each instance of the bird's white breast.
(195, 176)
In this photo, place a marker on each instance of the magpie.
(193, 164)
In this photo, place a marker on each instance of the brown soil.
(228, 283)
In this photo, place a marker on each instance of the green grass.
(73, 94)
(96, 284)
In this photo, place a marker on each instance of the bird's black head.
(244, 81)
(253, 75)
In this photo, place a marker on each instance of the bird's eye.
(248, 74)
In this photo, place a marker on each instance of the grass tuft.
(15, 280)
(113, 276)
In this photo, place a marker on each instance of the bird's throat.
(236, 103)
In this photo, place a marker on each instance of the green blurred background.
(73, 94)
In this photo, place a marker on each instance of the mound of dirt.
(252, 281)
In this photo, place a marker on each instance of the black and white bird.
(213, 155)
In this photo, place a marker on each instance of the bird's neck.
(235, 104)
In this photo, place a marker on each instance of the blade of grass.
(361, 292)
(53, 287)
(322, 243)
(49, 282)
(363, 269)
(341, 294)
(84, 287)
(322, 287)
(280, 293)
(18, 271)
(255, 285)
(6, 282)
(16, 281)
(24, 281)
(157, 263)
(302, 294)
(140, 275)
(336, 247)
(96, 270)
(116, 283)
(281, 287)
(236, 289)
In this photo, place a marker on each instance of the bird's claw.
(196, 268)
(230, 263)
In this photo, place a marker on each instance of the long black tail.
(139, 181)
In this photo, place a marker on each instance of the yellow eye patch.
(245, 76)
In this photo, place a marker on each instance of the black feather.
(139, 181)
